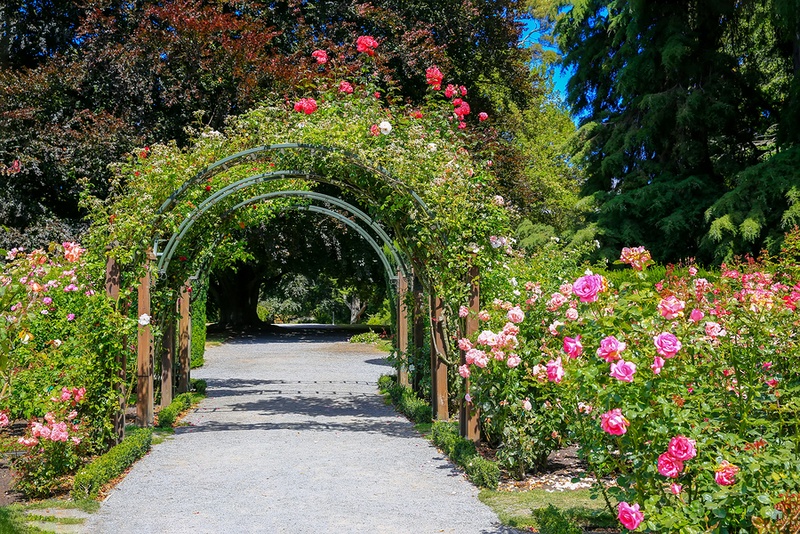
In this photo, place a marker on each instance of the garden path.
(294, 438)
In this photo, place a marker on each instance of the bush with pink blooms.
(682, 388)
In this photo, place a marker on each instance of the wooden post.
(418, 329)
(184, 340)
(438, 365)
(113, 280)
(144, 361)
(402, 329)
(468, 414)
(167, 363)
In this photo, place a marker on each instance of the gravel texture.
(294, 438)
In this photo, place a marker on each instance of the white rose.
(144, 319)
(385, 127)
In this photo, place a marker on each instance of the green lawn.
(514, 507)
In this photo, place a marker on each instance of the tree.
(673, 98)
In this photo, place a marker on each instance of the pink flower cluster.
(638, 257)
(434, 77)
(320, 55)
(72, 251)
(366, 44)
(345, 87)
(53, 431)
(306, 105)
(75, 395)
(679, 450)
(3, 419)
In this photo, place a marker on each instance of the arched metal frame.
(166, 256)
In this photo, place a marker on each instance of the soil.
(564, 471)
(9, 436)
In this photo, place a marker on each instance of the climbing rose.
(573, 346)
(609, 349)
(345, 87)
(482, 116)
(367, 44)
(588, 287)
(682, 448)
(320, 55)
(72, 251)
(474, 354)
(434, 77)
(516, 315)
(623, 370)
(3, 419)
(513, 360)
(464, 344)
(614, 422)
(463, 311)
(629, 516)
(59, 432)
(667, 344)
(555, 372)
(669, 466)
(464, 371)
(450, 90)
(671, 307)
(725, 473)
(483, 315)
(306, 105)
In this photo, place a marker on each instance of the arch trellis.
(401, 264)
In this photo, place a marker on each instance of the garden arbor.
(188, 238)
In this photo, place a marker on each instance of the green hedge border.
(444, 434)
(112, 464)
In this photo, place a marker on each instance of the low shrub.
(112, 464)
(551, 520)
(405, 400)
(365, 337)
(199, 386)
(462, 452)
(181, 403)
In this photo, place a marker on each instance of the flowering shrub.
(683, 390)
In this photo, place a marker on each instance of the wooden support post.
(402, 329)
(167, 364)
(468, 414)
(438, 365)
(113, 280)
(144, 361)
(184, 340)
(418, 329)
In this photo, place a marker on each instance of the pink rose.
(513, 360)
(320, 55)
(510, 329)
(464, 344)
(669, 466)
(725, 473)
(66, 394)
(658, 363)
(610, 347)
(555, 372)
(345, 87)
(434, 77)
(696, 315)
(588, 287)
(629, 516)
(483, 315)
(463, 311)
(488, 338)
(526, 405)
(367, 44)
(464, 371)
(553, 328)
(671, 307)
(481, 359)
(667, 345)
(306, 105)
(3, 419)
(516, 315)
(573, 346)
(556, 301)
(692, 271)
(636, 257)
(675, 488)
(473, 355)
(571, 314)
(614, 422)
(682, 448)
(450, 90)
(623, 370)
(78, 394)
(714, 330)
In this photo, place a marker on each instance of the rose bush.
(681, 387)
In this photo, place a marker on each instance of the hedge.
(112, 464)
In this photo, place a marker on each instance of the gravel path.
(293, 438)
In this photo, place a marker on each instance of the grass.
(15, 518)
(215, 339)
(514, 507)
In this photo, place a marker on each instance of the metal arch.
(398, 258)
(166, 255)
(233, 159)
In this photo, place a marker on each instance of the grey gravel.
(294, 438)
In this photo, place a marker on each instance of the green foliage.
(366, 337)
(181, 403)
(405, 400)
(551, 520)
(199, 386)
(89, 480)
(461, 451)
(198, 313)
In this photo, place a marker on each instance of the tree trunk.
(357, 308)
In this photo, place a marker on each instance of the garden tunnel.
(399, 263)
